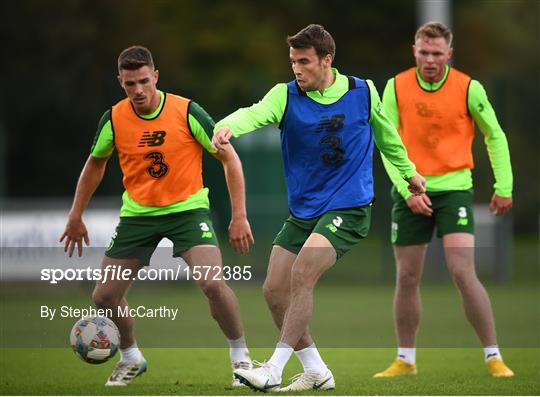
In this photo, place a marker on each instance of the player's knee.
(301, 278)
(212, 288)
(274, 294)
(105, 299)
(462, 276)
(269, 292)
(408, 279)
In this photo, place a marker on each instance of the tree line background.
(59, 76)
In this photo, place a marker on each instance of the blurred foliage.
(60, 72)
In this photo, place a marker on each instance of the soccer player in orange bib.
(159, 138)
(434, 106)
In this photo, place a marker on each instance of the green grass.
(352, 325)
(347, 316)
(206, 372)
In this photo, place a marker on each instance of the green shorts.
(452, 213)
(136, 237)
(343, 228)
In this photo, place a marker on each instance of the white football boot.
(311, 381)
(239, 365)
(263, 378)
(124, 373)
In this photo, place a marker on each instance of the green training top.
(200, 124)
(271, 108)
(483, 114)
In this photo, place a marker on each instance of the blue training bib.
(327, 151)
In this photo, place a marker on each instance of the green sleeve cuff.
(405, 193)
(505, 193)
(397, 180)
(409, 174)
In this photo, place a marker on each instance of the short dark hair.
(314, 36)
(135, 57)
(434, 30)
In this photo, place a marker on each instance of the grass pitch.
(352, 325)
(185, 371)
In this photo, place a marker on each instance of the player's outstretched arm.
(240, 235)
(75, 231)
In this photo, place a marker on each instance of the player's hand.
(420, 205)
(74, 234)
(221, 138)
(240, 235)
(500, 205)
(417, 185)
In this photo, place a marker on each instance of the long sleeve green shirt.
(271, 108)
(484, 116)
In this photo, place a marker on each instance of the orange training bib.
(435, 126)
(160, 159)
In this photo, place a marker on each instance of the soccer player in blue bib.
(328, 124)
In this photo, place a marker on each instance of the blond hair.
(434, 30)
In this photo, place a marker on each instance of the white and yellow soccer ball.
(95, 339)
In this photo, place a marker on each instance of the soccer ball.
(95, 339)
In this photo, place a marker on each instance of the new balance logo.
(427, 110)
(155, 138)
(332, 228)
(332, 124)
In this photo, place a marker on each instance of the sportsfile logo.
(154, 138)
(122, 273)
(331, 124)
